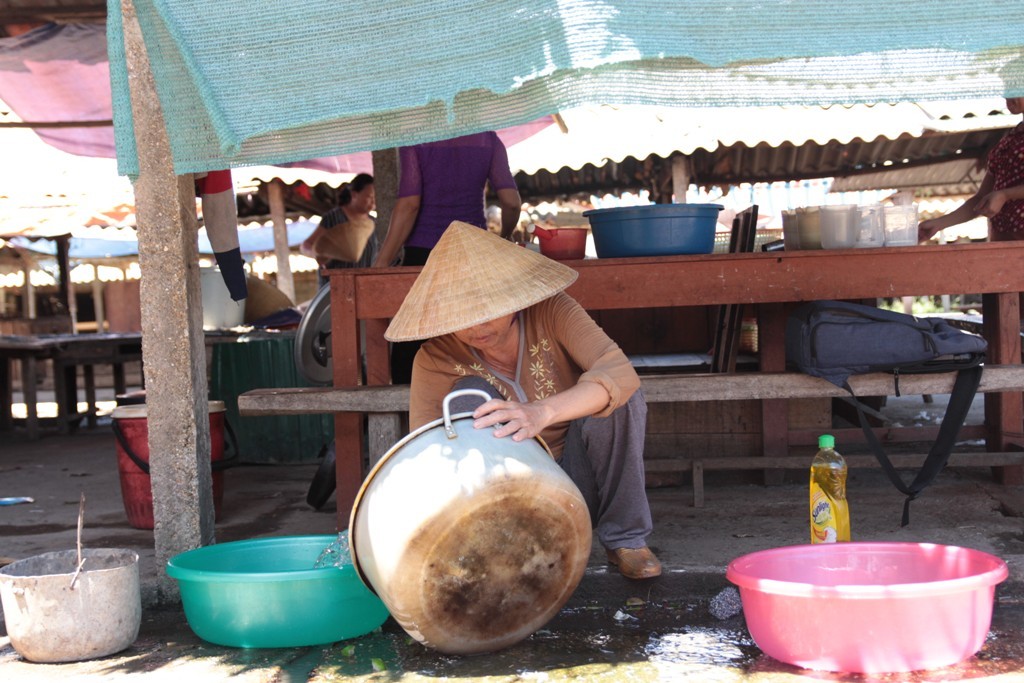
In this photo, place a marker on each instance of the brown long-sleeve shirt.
(560, 345)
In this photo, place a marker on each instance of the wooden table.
(66, 352)
(772, 281)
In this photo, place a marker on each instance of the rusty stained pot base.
(488, 572)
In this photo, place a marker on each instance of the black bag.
(834, 339)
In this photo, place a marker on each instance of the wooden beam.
(771, 385)
(303, 400)
(285, 281)
(899, 460)
(657, 389)
(64, 274)
(681, 173)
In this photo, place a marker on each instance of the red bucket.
(131, 428)
(562, 244)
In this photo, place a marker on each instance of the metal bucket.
(472, 542)
(50, 620)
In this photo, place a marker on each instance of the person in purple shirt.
(444, 181)
(440, 182)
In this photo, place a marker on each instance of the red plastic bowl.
(563, 244)
(868, 607)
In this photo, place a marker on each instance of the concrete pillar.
(275, 195)
(172, 330)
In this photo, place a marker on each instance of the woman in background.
(345, 237)
(1001, 195)
(440, 182)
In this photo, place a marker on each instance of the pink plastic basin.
(868, 607)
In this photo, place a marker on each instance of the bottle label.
(823, 523)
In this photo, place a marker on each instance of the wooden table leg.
(378, 361)
(28, 391)
(348, 427)
(1004, 414)
(6, 395)
(771, 327)
(120, 387)
(88, 372)
(65, 393)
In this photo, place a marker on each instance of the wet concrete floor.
(611, 629)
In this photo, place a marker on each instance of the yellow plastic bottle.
(830, 513)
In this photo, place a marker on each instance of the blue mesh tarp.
(244, 82)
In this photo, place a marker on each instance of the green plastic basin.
(265, 593)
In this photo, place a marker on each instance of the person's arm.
(504, 185)
(962, 214)
(527, 420)
(511, 207)
(306, 248)
(403, 218)
(993, 202)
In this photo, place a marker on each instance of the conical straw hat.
(473, 276)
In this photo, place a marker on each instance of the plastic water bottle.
(830, 513)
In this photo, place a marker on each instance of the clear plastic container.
(871, 232)
(808, 219)
(790, 231)
(900, 225)
(839, 226)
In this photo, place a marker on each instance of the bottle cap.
(826, 441)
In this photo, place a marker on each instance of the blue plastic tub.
(655, 230)
(265, 593)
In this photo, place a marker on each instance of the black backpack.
(835, 339)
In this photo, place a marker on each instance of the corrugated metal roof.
(609, 150)
(740, 164)
(953, 178)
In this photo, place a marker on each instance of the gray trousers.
(604, 458)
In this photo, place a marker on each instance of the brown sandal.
(635, 563)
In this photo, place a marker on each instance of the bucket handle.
(215, 465)
(449, 430)
(543, 233)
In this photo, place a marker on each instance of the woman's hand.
(927, 228)
(527, 420)
(519, 420)
(991, 204)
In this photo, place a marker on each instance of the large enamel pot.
(473, 542)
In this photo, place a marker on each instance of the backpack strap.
(964, 389)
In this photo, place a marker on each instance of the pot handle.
(449, 430)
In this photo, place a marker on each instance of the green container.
(264, 593)
(266, 360)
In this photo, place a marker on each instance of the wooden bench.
(384, 406)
